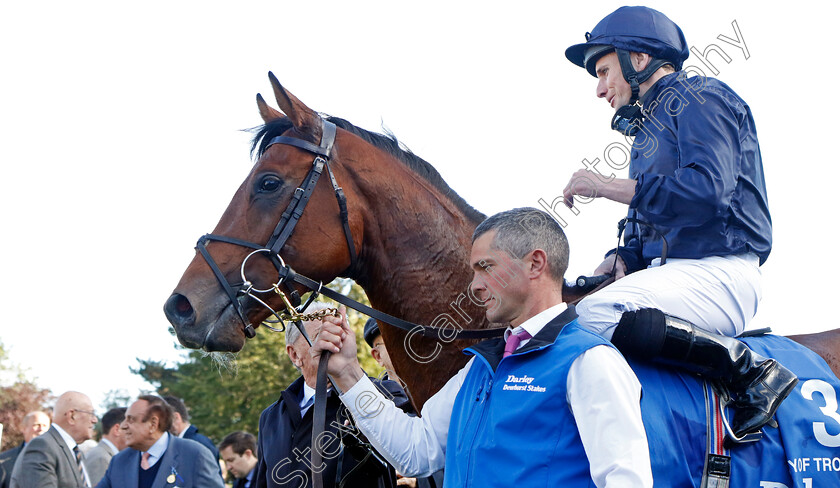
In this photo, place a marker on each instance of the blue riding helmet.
(633, 29)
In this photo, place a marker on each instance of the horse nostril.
(179, 311)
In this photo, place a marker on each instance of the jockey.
(696, 184)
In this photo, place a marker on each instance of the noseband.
(282, 231)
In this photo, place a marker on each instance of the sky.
(122, 141)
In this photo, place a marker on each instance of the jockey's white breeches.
(718, 294)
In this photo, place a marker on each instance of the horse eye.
(269, 184)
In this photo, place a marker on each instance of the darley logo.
(521, 383)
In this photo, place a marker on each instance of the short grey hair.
(522, 230)
(292, 332)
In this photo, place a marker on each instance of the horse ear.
(266, 112)
(299, 114)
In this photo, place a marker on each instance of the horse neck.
(413, 264)
(414, 258)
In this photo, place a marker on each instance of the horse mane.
(388, 143)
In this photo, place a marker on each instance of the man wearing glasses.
(54, 459)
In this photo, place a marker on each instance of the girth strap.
(717, 466)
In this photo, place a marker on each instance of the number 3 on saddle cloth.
(804, 452)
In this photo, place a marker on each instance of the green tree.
(115, 398)
(226, 392)
(18, 396)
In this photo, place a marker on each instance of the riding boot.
(755, 385)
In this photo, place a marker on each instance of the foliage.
(17, 398)
(115, 398)
(222, 396)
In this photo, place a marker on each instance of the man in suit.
(377, 350)
(53, 460)
(112, 442)
(181, 426)
(550, 404)
(33, 424)
(238, 450)
(285, 431)
(156, 459)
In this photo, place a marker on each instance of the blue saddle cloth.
(803, 452)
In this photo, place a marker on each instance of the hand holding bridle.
(337, 337)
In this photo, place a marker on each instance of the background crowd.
(119, 436)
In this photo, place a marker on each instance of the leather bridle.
(282, 231)
(286, 276)
(284, 228)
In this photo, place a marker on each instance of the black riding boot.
(756, 385)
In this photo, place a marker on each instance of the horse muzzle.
(194, 333)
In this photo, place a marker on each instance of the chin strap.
(628, 119)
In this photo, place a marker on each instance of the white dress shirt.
(602, 392)
(158, 449)
(307, 400)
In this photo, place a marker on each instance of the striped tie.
(144, 460)
(78, 454)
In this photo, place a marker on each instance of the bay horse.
(393, 225)
(410, 231)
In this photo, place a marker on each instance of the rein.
(286, 276)
(284, 228)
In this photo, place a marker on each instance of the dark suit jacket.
(283, 448)
(185, 462)
(7, 462)
(192, 434)
(240, 482)
(46, 461)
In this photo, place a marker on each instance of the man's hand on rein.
(336, 337)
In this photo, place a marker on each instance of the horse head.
(200, 310)
(404, 237)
